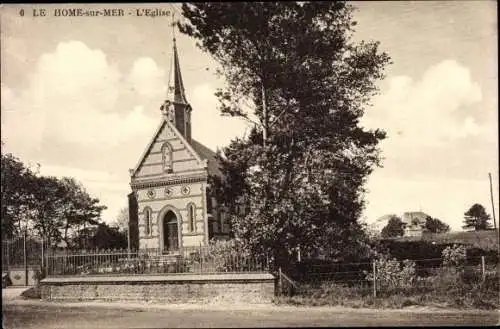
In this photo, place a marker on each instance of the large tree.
(78, 209)
(16, 179)
(46, 202)
(434, 225)
(294, 70)
(476, 218)
(102, 236)
(61, 209)
(55, 209)
(395, 228)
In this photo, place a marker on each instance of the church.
(171, 208)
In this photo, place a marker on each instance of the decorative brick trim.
(168, 181)
(152, 164)
(169, 139)
(197, 171)
(182, 278)
(183, 160)
(173, 198)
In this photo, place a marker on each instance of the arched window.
(147, 220)
(191, 217)
(166, 156)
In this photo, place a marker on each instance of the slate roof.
(207, 154)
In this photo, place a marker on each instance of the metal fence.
(387, 277)
(196, 260)
(22, 252)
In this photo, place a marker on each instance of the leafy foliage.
(434, 225)
(302, 185)
(447, 288)
(78, 209)
(15, 194)
(392, 273)
(455, 255)
(222, 254)
(55, 209)
(101, 237)
(394, 228)
(476, 218)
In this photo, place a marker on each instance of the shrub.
(392, 273)
(454, 256)
(470, 275)
(227, 256)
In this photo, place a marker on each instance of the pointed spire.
(179, 93)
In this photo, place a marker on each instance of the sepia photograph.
(249, 164)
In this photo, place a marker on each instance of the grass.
(448, 289)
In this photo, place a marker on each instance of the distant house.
(414, 222)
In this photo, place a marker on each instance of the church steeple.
(177, 109)
(179, 93)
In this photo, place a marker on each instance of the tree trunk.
(66, 233)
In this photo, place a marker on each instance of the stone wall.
(17, 275)
(220, 288)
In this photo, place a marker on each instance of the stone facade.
(414, 223)
(170, 183)
(223, 288)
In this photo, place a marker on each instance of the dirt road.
(26, 314)
(52, 315)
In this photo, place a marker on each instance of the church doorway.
(170, 232)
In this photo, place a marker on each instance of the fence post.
(25, 259)
(201, 260)
(280, 282)
(128, 242)
(483, 269)
(374, 279)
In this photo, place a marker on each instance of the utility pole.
(493, 211)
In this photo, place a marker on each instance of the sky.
(81, 97)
